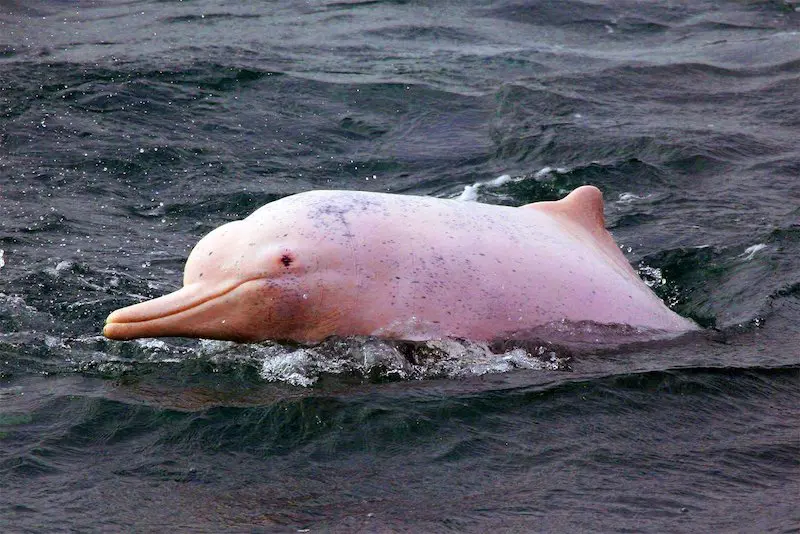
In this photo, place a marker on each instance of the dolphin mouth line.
(193, 303)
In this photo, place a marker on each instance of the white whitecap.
(749, 252)
(470, 193)
(627, 198)
(500, 180)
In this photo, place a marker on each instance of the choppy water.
(130, 129)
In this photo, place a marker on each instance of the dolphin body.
(352, 263)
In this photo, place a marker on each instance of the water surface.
(130, 129)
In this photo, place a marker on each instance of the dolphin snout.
(195, 310)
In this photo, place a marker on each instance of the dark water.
(130, 129)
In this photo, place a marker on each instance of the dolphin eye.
(286, 259)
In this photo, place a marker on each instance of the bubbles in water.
(292, 368)
(383, 360)
(152, 344)
(362, 358)
(652, 276)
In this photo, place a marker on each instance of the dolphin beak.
(195, 310)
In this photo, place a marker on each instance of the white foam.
(2, 260)
(412, 329)
(749, 252)
(629, 198)
(152, 344)
(546, 173)
(488, 363)
(371, 356)
(59, 268)
(291, 367)
(652, 276)
(500, 180)
(53, 342)
(211, 347)
(470, 193)
(366, 357)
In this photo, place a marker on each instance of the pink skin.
(403, 267)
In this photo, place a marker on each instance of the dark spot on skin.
(286, 260)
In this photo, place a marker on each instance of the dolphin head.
(245, 281)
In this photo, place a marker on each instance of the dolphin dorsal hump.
(583, 206)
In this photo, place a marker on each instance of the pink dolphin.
(348, 263)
